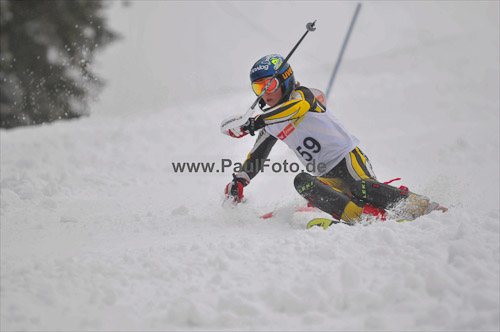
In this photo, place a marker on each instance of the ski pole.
(234, 122)
(339, 58)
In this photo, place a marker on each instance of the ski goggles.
(259, 85)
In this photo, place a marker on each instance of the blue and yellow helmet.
(267, 67)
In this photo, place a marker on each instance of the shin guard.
(327, 199)
(378, 194)
(407, 205)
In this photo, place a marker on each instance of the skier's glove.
(253, 124)
(234, 189)
(237, 132)
(250, 127)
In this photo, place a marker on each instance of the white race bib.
(319, 140)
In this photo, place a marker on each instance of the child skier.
(345, 187)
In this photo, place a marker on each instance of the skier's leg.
(358, 166)
(354, 167)
(406, 204)
(378, 194)
(330, 200)
(336, 183)
(364, 186)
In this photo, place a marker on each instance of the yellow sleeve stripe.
(288, 113)
(291, 109)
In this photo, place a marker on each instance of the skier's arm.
(297, 106)
(258, 154)
(251, 166)
(302, 100)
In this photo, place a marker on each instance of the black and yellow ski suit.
(348, 184)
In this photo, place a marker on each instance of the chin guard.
(262, 104)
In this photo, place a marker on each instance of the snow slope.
(99, 233)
